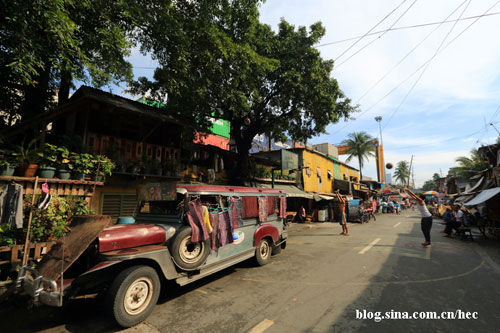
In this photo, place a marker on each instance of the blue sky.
(447, 111)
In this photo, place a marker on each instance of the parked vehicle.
(131, 262)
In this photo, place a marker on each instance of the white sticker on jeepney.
(238, 237)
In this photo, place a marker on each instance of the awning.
(291, 191)
(319, 197)
(464, 198)
(476, 186)
(483, 196)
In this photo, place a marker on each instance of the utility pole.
(378, 119)
(495, 128)
(409, 173)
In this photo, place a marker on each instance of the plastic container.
(125, 220)
(322, 215)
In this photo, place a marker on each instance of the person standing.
(426, 222)
(342, 222)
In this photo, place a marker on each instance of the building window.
(117, 205)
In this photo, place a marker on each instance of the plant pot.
(94, 179)
(8, 171)
(46, 171)
(78, 176)
(28, 170)
(63, 174)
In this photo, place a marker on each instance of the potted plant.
(8, 162)
(82, 165)
(27, 158)
(64, 166)
(106, 166)
(48, 160)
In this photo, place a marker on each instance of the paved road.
(317, 284)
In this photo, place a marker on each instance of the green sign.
(219, 127)
(289, 160)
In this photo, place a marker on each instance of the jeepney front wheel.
(263, 252)
(133, 295)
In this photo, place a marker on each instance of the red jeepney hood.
(125, 236)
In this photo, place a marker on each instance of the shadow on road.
(88, 315)
(449, 276)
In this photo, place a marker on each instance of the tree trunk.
(360, 166)
(64, 86)
(242, 172)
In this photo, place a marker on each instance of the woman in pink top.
(426, 222)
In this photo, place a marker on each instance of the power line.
(376, 25)
(406, 27)
(450, 139)
(409, 53)
(426, 66)
(394, 67)
(372, 41)
(422, 66)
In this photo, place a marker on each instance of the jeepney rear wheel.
(263, 252)
(186, 254)
(133, 295)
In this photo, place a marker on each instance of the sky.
(436, 87)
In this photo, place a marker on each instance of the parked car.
(129, 263)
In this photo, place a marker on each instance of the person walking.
(342, 222)
(426, 222)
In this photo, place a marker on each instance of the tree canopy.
(469, 166)
(402, 172)
(360, 146)
(46, 45)
(216, 59)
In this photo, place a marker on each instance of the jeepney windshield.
(161, 207)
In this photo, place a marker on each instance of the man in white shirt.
(426, 222)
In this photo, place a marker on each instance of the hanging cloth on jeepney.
(282, 207)
(262, 209)
(222, 233)
(235, 208)
(224, 230)
(206, 219)
(196, 221)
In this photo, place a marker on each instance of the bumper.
(41, 289)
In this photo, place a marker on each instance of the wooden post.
(27, 242)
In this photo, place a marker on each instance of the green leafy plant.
(48, 155)
(8, 157)
(106, 165)
(82, 163)
(63, 158)
(27, 154)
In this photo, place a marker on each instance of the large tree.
(216, 59)
(359, 146)
(46, 45)
(402, 172)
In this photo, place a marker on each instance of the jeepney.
(128, 263)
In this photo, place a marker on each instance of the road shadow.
(88, 315)
(450, 276)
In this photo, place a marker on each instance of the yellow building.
(349, 173)
(317, 172)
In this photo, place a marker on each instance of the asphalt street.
(318, 284)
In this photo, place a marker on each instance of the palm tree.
(359, 145)
(469, 166)
(402, 172)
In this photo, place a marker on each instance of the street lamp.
(378, 119)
